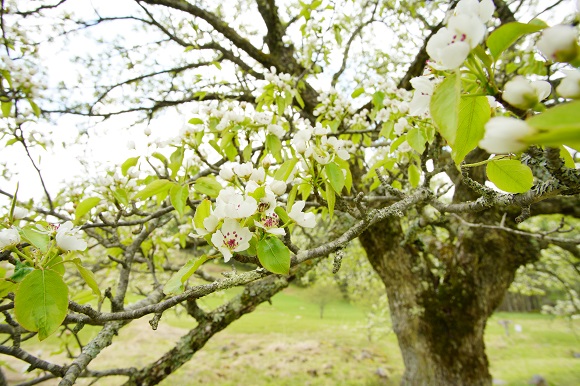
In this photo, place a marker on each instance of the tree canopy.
(440, 134)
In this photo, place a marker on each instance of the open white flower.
(305, 220)
(422, 97)
(233, 204)
(483, 9)
(559, 43)
(270, 222)
(503, 135)
(277, 130)
(451, 45)
(9, 238)
(67, 239)
(523, 94)
(232, 237)
(569, 87)
(210, 223)
(244, 170)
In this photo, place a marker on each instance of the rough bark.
(439, 313)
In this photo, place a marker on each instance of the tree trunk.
(442, 293)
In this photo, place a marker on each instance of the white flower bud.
(503, 135)
(559, 43)
(569, 87)
(278, 187)
(523, 94)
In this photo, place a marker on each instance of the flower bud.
(559, 43)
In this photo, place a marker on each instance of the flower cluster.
(465, 29)
(246, 210)
(314, 143)
(332, 105)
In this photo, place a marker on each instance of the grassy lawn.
(286, 343)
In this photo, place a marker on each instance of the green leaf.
(273, 144)
(357, 92)
(176, 160)
(330, 198)
(474, 112)
(85, 206)
(6, 108)
(129, 163)
(274, 255)
(178, 195)
(510, 175)
(202, 211)
(195, 121)
(121, 196)
(55, 263)
(208, 185)
(414, 175)
(335, 176)
(88, 276)
(445, 107)
(6, 286)
(41, 302)
(154, 188)
(506, 35)
(176, 284)
(32, 235)
(559, 125)
(286, 169)
(20, 271)
(34, 107)
(416, 139)
(281, 212)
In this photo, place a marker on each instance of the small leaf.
(121, 196)
(444, 107)
(202, 211)
(178, 196)
(285, 169)
(34, 107)
(357, 92)
(506, 35)
(273, 144)
(6, 108)
(6, 286)
(154, 188)
(130, 162)
(195, 121)
(85, 206)
(41, 302)
(208, 185)
(176, 284)
(88, 276)
(510, 175)
(36, 238)
(559, 125)
(335, 176)
(414, 175)
(416, 139)
(20, 271)
(474, 112)
(274, 255)
(330, 198)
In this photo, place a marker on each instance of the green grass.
(286, 343)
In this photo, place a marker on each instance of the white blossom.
(232, 203)
(232, 237)
(451, 45)
(227, 172)
(244, 170)
(521, 93)
(67, 239)
(483, 10)
(19, 213)
(258, 175)
(422, 97)
(278, 187)
(9, 237)
(503, 135)
(559, 43)
(277, 130)
(305, 220)
(569, 87)
(270, 222)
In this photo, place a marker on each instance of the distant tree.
(301, 115)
